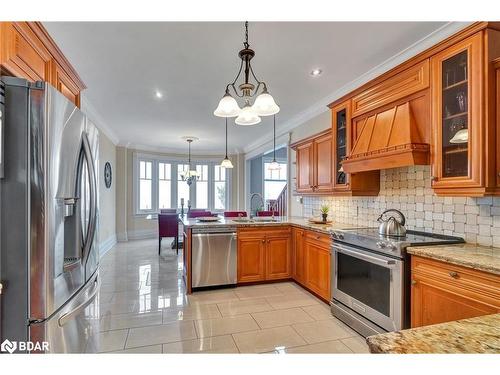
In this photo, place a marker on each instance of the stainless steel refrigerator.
(49, 203)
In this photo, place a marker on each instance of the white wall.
(107, 200)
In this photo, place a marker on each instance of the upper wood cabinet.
(27, 51)
(442, 292)
(305, 161)
(322, 165)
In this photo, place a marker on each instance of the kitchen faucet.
(261, 203)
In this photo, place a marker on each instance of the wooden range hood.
(393, 137)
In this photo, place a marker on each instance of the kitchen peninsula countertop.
(475, 335)
(482, 258)
(280, 221)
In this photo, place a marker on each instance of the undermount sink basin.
(255, 220)
(242, 220)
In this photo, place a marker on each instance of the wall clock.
(107, 174)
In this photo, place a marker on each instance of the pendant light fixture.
(264, 104)
(274, 166)
(190, 175)
(226, 163)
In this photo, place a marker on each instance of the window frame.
(174, 162)
(264, 179)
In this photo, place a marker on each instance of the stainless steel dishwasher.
(214, 256)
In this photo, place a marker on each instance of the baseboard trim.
(122, 237)
(142, 234)
(107, 245)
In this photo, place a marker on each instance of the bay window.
(158, 184)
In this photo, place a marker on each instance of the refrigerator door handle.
(89, 239)
(65, 318)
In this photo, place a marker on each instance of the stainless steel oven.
(367, 289)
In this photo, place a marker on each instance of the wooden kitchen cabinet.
(298, 236)
(251, 257)
(463, 125)
(264, 254)
(278, 257)
(497, 106)
(323, 164)
(27, 51)
(317, 264)
(305, 161)
(443, 292)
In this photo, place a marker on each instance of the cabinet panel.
(64, 84)
(23, 55)
(405, 83)
(278, 265)
(444, 292)
(318, 269)
(299, 255)
(251, 258)
(323, 169)
(497, 97)
(305, 161)
(457, 120)
(432, 304)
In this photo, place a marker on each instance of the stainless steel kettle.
(391, 226)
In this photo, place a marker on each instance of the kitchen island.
(271, 249)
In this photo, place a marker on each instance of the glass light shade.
(247, 116)
(461, 136)
(265, 105)
(274, 166)
(228, 107)
(226, 163)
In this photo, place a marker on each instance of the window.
(164, 185)
(274, 181)
(202, 186)
(145, 185)
(182, 186)
(158, 184)
(220, 187)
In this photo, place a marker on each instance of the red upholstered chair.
(235, 214)
(267, 213)
(168, 211)
(168, 226)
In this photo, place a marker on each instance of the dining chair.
(168, 211)
(235, 214)
(168, 226)
(198, 213)
(267, 213)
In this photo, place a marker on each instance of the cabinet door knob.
(434, 178)
(453, 274)
(413, 282)
(263, 241)
(268, 241)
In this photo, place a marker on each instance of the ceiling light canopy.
(316, 72)
(264, 104)
(158, 94)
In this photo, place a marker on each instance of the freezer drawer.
(213, 259)
(75, 328)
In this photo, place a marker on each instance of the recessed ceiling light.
(316, 72)
(158, 94)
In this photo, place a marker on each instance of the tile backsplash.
(409, 190)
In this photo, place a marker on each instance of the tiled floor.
(144, 309)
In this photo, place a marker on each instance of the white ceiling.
(123, 63)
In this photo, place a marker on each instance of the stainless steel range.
(370, 278)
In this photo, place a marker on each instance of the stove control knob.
(341, 236)
(381, 245)
(334, 235)
(391, 247)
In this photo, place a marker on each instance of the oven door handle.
(363, 256)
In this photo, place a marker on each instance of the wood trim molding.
(294, 145)
(54, 50)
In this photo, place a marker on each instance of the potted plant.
(324, 212)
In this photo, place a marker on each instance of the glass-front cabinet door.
(456, 117)
(341, 118)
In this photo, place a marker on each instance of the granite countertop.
(475, 335)
(300, 222)
(481, 258)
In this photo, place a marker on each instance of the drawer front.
(397, 87)
(320, 239)
(478, 285)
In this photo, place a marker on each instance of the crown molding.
(175, 150)
(92, 113)
(321, 106)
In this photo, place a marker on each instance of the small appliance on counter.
(371, 276)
